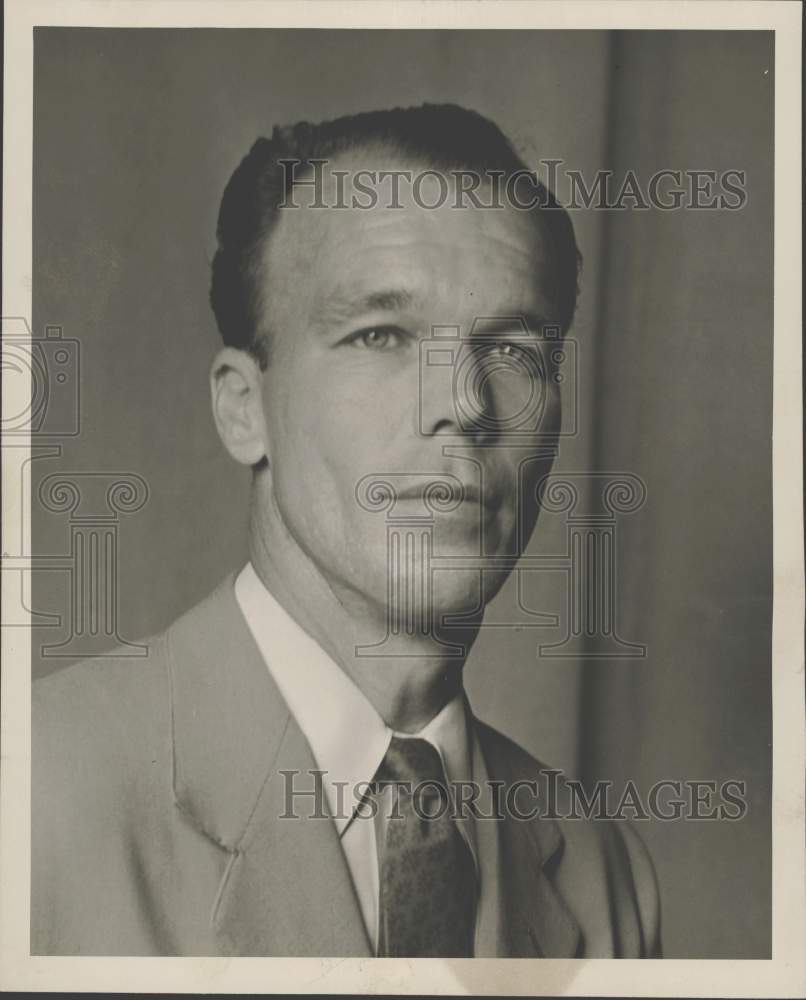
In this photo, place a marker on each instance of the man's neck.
(407, 688)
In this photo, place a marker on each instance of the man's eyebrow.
(344, 305)
(511, 320)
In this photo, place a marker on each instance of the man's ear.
(235, 386)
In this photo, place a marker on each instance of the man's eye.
(511, 349)
(522, 356)
(377, 338)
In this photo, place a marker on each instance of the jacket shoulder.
(97, 723)
(117, 695)
(116, 707)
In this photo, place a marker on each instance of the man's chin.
(422, 588)
(465, 591)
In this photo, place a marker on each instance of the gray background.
(136, 133)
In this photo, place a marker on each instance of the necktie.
(428, 890)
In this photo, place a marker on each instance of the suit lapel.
(286, 888)
(535, 921)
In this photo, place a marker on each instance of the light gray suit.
(156, 801)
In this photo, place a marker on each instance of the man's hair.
(439, 136)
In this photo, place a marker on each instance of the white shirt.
(347, 736)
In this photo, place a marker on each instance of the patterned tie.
(428, 889)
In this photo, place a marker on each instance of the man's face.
(350, 295)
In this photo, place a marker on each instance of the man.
(275, 778)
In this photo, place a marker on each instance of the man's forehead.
(344, 252)
(379, 192)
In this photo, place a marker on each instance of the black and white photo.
(395, 509)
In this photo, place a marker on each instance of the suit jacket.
(156, 797)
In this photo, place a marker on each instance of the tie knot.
(412, 760)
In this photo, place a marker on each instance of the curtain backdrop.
(684, 397)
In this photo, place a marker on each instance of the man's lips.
(434, 492)
(445, 491)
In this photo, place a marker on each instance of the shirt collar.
(346, 735)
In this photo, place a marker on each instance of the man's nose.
(453, 398)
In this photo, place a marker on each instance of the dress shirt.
(349, 739)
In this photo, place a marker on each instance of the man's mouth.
(434, 492)
(443, 493)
